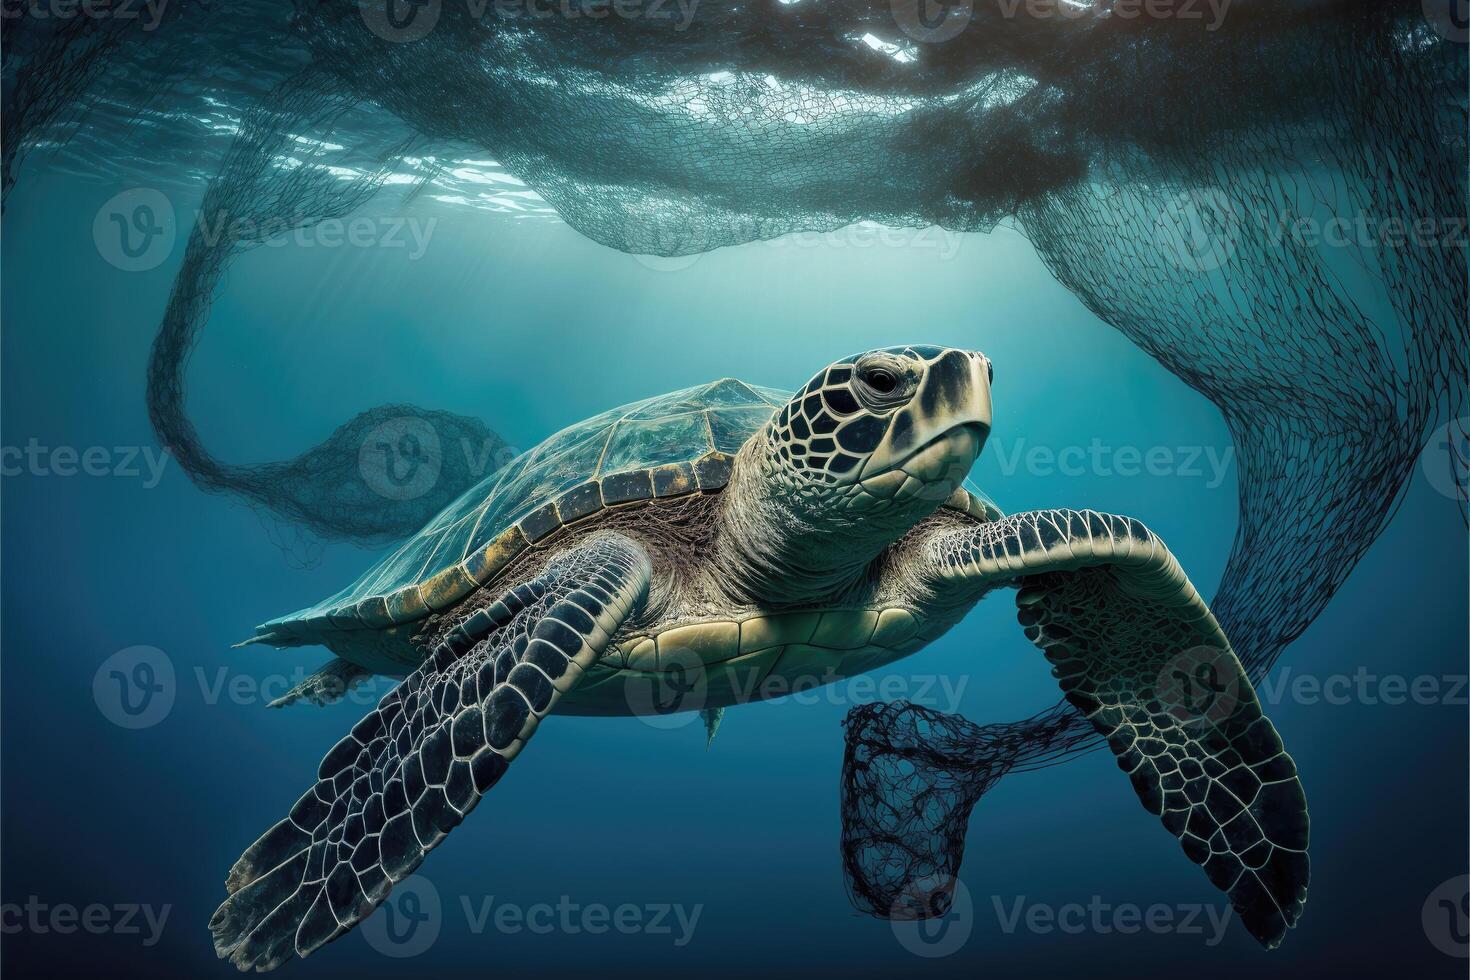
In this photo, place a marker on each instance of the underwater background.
(127, 806)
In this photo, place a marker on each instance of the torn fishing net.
(1270, 202)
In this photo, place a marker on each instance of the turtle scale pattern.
(818, 435)
(1187, 729)
(829, 431)
(414, 767)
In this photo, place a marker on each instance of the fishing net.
(383, 474)
(75, 52)
(1268, 197)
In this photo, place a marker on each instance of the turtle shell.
(670, 446)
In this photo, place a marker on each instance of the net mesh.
(384, 473)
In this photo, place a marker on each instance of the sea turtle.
(680, 552)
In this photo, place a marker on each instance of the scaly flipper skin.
(1139, 653)
(327, 686)
(409, 772)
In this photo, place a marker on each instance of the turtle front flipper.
(410, 771)
(1139, 653)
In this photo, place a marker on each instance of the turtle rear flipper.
(411, 770)
(1138, 651)
(327, 686)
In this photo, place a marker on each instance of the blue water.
(531, 327)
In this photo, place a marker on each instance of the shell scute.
(541, 523)
(713, 471)
(579, 502)
(625, 488)
(673, 480)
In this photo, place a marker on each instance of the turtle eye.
(881, 380)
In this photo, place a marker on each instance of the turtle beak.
(938, 434)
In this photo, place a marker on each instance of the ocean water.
(614, 846)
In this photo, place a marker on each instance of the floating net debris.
(75, 52)
(383, 474)
(1268, 197)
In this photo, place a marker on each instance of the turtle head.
(885, 430)
(869, 447)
